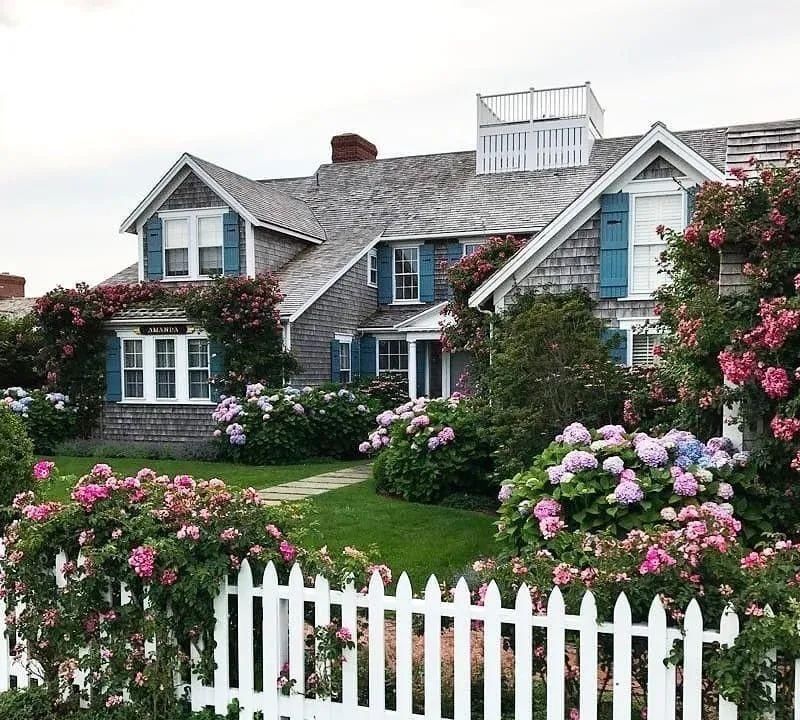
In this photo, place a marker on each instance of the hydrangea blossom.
(652, 453)
(576, 434)
(577, 460)
(614, 464)
(628, 492)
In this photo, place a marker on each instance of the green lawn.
(420, 539)
(237, 475)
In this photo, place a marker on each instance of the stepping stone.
(301, 484)
(314, 485)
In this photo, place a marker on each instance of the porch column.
(412, 369)
(445, 374)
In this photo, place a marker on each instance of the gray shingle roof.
(388, 316)
(436, 195)
(16, 307)
(127, 275)
(151, 312)
(265, 202)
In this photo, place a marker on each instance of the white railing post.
(492, 648)
(728, 632)
(556, 625)
(433, 648)
(221, 655)
(588, 658)
(693, 663)
(270, 631)
(297, 653)
(403, 647)
(350, 666)
(523, 655)
(244, 638)
(462, 651)
(377, 648)
(322, 617)
(657, 671)
(622, 659)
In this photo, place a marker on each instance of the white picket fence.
(284, 614)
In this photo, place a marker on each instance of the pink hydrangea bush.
(611, 480)
(168, 540)
(269, 426)
(695, 553)
(427, 449)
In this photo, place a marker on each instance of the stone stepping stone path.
(315, 485)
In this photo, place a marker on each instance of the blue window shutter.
(230, 243)
(336, 365)
(385, 292)
(369, 356)
(455, 251)
(614, 245)
(155, 248)
(355, 358)
(422, 364)
(691, 196)
(426, 273)
(113, 368)
(217, 367)
(617, 342)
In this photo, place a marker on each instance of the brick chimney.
(350, 147)
(11, 286)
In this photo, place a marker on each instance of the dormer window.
(406, 274)
(176, 247)
(193, 243)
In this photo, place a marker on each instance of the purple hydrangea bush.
(609, 480)
(269, 426)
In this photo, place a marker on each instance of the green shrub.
(429, 449)
(387, 389)
(32, 703)
(549, 366)
(16, 457)
(269, 427)
(20, 346)
(206, 450)
(49, 418)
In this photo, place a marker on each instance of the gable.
(191, 193)
(658, 169)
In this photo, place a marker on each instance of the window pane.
(133, 353)
(210, 260)
(406, 273)
(209, 231)
(198, 353)
(393, 356)
(198, 384)
(643, 345)
(165, 353)
(176, 233)
(134, 383)
(165, 384)
(177, 262)
(373, 267)
(649, 213)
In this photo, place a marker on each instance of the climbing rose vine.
(741, 344)
(463, 327)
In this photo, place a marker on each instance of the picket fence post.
(556, 622)
(377, 653)
(244, 638)
(492, 648)
(588, 658)
(403, 646)
(350, 665)
(462, 652)
(523, 655)
(728, 631)
(693, 663)
(622, 659)
(270, 631)
(297, 642)
(322, 617)
(657, 653)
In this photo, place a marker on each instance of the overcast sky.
(99, 97)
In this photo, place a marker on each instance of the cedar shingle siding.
(339, 310)
(274, 250)
(126, 423)
(575, 264)
(191, 194)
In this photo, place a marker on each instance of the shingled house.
(359, 246)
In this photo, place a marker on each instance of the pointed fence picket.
(290, 609)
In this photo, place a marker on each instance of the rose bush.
(428, 449)
(286, 425)
(169, 542)
(617, 481)
(697, 554)
(16, 459)
(49, 417)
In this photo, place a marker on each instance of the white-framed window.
(199, 368)
(165, 369)
(133, 369)
(209, 245)
(643, 345)
(392, 356)
(372, 268)
(176, 247)
(193, 243)
(345, 362)
(467, 248)
(406, 274)
(649, 211)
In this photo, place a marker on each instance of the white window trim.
(372, 255)
(345, 340)
(630, 326)
(149, 371)
(411, 301)
(191, 216)
(650, 188)
(480, 242)
(378, 339)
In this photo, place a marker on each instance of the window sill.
(636, 298)
(164, 401)
(188, 278)
(407, 302)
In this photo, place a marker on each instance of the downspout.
(287, 343)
